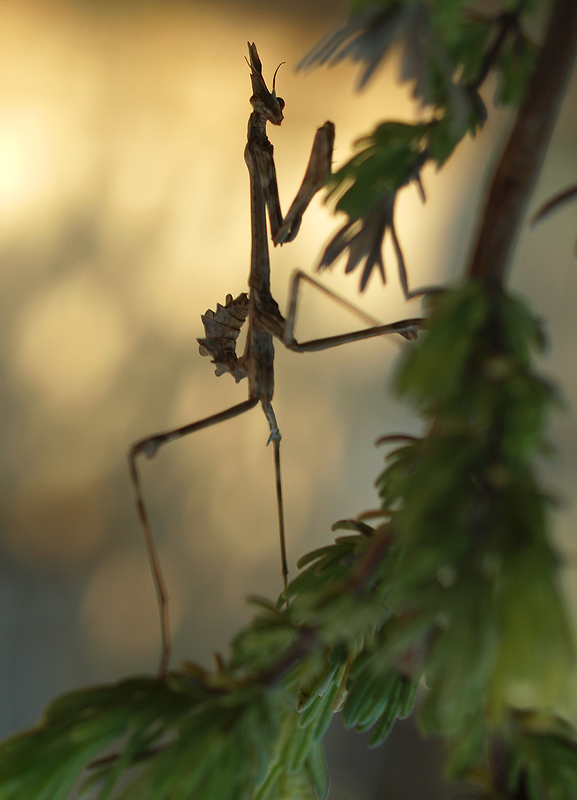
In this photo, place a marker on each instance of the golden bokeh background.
(125, 215)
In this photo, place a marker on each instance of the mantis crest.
(265, 321)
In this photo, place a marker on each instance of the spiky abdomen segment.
(222, 329)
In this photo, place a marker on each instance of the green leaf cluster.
(342, 593)
(385, 161)
(447, 51)
(377, 695)
(177, 738)
(542, 757)
(253, 728)
(477, 575)
(514, 67)
(456, 38)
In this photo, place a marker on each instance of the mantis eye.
(281, 103)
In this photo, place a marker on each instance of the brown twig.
(521, 161)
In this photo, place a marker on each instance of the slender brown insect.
(264, 318)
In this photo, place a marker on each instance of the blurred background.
(124, 215)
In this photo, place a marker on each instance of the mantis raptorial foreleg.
(222, 327)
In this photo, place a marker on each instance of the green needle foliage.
(450, 587)
(448, 49)
(472, 517)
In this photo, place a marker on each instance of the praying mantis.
(265, 322)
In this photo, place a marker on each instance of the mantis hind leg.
(149, 447)
(407, 328)
(275, 438)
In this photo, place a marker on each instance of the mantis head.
(264, 102)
